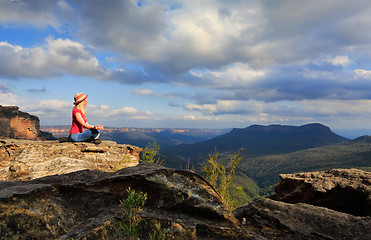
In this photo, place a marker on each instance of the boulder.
(85, 205)
(281, 221)
(344, 190)
(27, 159)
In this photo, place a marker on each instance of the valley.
(268, 151)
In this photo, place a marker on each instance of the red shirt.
(76, 126)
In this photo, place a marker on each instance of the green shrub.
(149, 154)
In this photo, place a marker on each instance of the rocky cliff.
(19, 125)
(52, 190)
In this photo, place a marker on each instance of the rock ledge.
(27, 159)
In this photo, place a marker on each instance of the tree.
(149, 154)
(130, 207)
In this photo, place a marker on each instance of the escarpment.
(16, 124)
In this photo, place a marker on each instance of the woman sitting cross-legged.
(79, 122)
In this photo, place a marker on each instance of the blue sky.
(194, 64)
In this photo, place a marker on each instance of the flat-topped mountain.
(257, 140)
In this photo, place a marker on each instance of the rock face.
(344, 190)
(302, 207)
(85, 205)
(19, 125)
(27, 160)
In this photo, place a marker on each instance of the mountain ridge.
(258, 140)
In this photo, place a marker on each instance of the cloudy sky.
(189, 63)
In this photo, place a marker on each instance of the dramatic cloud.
(57, 58)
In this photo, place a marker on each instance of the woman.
(79, 122)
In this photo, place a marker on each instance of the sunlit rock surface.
(27, 160)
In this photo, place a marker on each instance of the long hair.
(81, 107)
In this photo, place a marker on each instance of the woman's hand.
(98, 127)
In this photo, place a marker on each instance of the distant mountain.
(256, 140)
(164, 138)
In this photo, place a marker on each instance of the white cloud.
(144, 92)
(226, 107)
(59, 57)
(150, 92)
(105, 113)
(8, 99)
(362, 73)
(55, 104)
(125, 110)
(236, 76)
(341, 60)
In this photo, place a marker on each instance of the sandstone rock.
(19, 125)
(344, 190)
(26, 159)
(279, 220)
(85, 205)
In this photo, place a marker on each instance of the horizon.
(189, 64)
(346, 133)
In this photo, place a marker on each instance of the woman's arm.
(86, 124)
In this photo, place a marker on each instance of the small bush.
(157, 233)
(130, 207)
